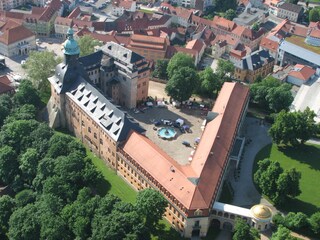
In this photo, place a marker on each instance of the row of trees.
(298, 221)
(52, 184)
(277, 184)
(184, 79)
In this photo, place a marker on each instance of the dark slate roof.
(135, 57)
(291, 7)
(256, 60)
(91, 59)
(115, 122)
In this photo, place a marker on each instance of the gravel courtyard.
(174, 147)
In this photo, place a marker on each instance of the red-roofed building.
(271, 46)
(199, 46)
(152, 48)
(15, 39)
(5, 85)
(300, 74)
(120, 6)
(191, 190)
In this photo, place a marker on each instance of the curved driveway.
(245, 193)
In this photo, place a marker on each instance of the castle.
(113, 135)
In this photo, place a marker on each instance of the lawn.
(113, 184)
(145, 10)
(300, 42)
(305, 159)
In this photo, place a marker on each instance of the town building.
(300, 74)
(150, 47)
(120, 6)
(6, 5)
(271, 46)
(15, 39)
(259, 63)
(289, 11)
(308, 96)
(191, 190)
(250, 16)
(294, 50)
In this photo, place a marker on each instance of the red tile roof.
(13, 32)
(75, 13)
(302, 72)
(196, 44)
(224, 23)
(269, 44)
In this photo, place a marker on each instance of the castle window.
(101, 142)
(95, 135)
(89, 129)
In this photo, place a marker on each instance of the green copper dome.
(70, 46)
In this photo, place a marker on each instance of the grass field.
(305, 159)
(113, 183)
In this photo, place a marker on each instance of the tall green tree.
(282, 233)
(243, 231)
(151, 204)
(296, 220)
(314, 222)
(24, 223)
(293, 127)
(230, 14)
(5, 107)
(225, 69)
(8, 165)
(27, 94)
(271, 94)
(40, 66)
(277, 184)
(7, 206)
(222, 6)
(28, 162)
(178, 61)
(182, 84)
(160, 70)
(314, 15)
(87, 44)
(210, 83)
(255, 26)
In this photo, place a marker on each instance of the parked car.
(187, 144)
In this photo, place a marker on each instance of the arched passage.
(215, 223)
(227, 226)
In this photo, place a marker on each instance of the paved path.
(245, 193)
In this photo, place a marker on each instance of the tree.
(230, 14)
(243, 231)
(255, 27)
(151, 204)
(225, 69)
(87, 44)
(277, 184)
(314, 15)
(282, 233)
(24, 223)
(280, 98)
(222, 5)
(28, 164)
(25, 112)
(8, 164)
(293, 1)
(293, 127)
(160, 70)
(314, 222)
(24, 197)
(5, 107)
(40, 66)
(7, 205)
(182, 84)
(17, 134)
(271, 94)
(27, 94)
(296, 220)
(209, 81)
(178, 61)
